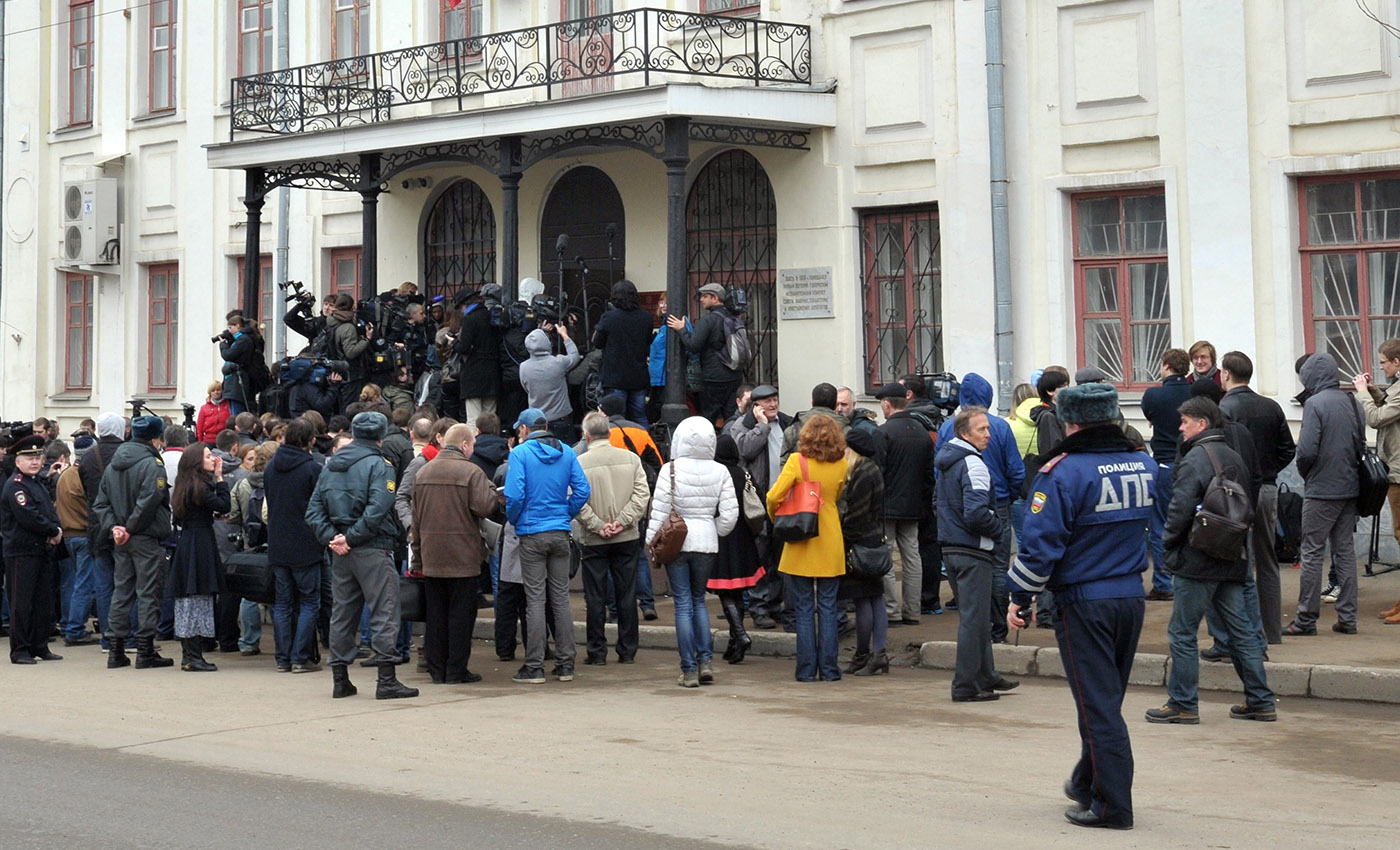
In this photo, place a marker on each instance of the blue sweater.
(545, 486)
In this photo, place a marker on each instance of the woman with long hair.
(812, 568)
(703, 496)
(196, 571)
(737, 568)
(862, 508)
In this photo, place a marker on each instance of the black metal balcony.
(560, 58)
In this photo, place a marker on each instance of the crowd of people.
(468, 472)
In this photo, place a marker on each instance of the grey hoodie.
(1330, 442)
(544, 375)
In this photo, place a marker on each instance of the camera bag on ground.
(1221, 525)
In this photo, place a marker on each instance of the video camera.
(7, 430)
(547, 309)
(296, 291)
(943, 390)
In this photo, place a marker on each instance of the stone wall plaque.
(805, 294)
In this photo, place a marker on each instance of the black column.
(252, 253)
(369, 225)
(510, 172)
(676, 158)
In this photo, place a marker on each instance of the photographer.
(236, 346)
(299, 317)
(545, 378)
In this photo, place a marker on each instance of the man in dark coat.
(707, 341)
(909, 481)
(929, 415)
(624, 336)
(343, 341)
(236, 347)
(1159, 405)
(296, 556)
(133, 509)
(1274, 447)
(1202, 581)
(759, 436)
(479, 346)
(29, 527)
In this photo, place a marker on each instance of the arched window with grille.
(459, 242)
(731, 222)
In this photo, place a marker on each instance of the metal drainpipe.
(1001, 223)
(3, 149)
(284, 194)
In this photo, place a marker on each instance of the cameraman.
(299, 318)
(478, 345)
(344, 342)
(315, 385)
(236, 346)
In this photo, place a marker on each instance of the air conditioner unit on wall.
(90, 234)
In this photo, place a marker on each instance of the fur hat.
(369, 425)
(1087, 403)
(147, 428)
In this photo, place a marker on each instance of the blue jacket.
(656, 363)
(1084, 535)
(545, 486)
(355, 496)
(1003, 455)
(966, 515)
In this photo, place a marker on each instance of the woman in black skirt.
(196, 571)
(862, 507)
(736, 568)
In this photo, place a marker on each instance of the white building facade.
(1177, 170)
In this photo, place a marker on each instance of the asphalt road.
(621, 757)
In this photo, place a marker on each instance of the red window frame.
(161, 29)
(338, 283)
(583, 9)
(1120, 263)
(471, 13)
(355, 14)
(80, 77)
(162, 318)
(261, 58)
(1362, 252)
(729, 7)
(913, 326)
(77, 322)
(267, 301)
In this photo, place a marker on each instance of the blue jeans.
(636, 401)
(249, 625)
(103, 584)
(1193, 597)
(236, 407)
(1161, 577)
(76, 590)
(814, 603)
(294, 638)
(1251, 610)
(688, 575)
(1018, 518)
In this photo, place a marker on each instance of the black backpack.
(254, 529)
(1220, 528)
(1288, 536)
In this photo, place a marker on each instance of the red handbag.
(798, 517)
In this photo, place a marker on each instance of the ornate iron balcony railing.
(556, 57)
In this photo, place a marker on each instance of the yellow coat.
(823, 556)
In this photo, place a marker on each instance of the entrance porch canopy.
(521, 97)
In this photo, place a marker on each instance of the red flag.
(453, 4)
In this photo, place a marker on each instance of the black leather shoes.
(45, 655)
(980, 696)
(1087, 818)
(1214, 654)
(1070, 795)
(1004, 684)
(23, 659)
(1344, 628)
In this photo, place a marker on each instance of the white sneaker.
(1329, 593)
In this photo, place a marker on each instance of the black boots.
(739, 640)
(192, 656)
(116, 654)
(146, 655)
(389, 687)
(879, 663)
(341, 676)
(858, 660)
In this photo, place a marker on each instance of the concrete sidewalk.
(1364, 666)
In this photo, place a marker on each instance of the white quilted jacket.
(704, 494)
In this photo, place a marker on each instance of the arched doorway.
(585, 206)
(731, 229)
(459, 241)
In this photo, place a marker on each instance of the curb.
(1323, 681)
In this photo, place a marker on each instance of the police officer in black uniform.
(1084, 538)
(30, 528)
